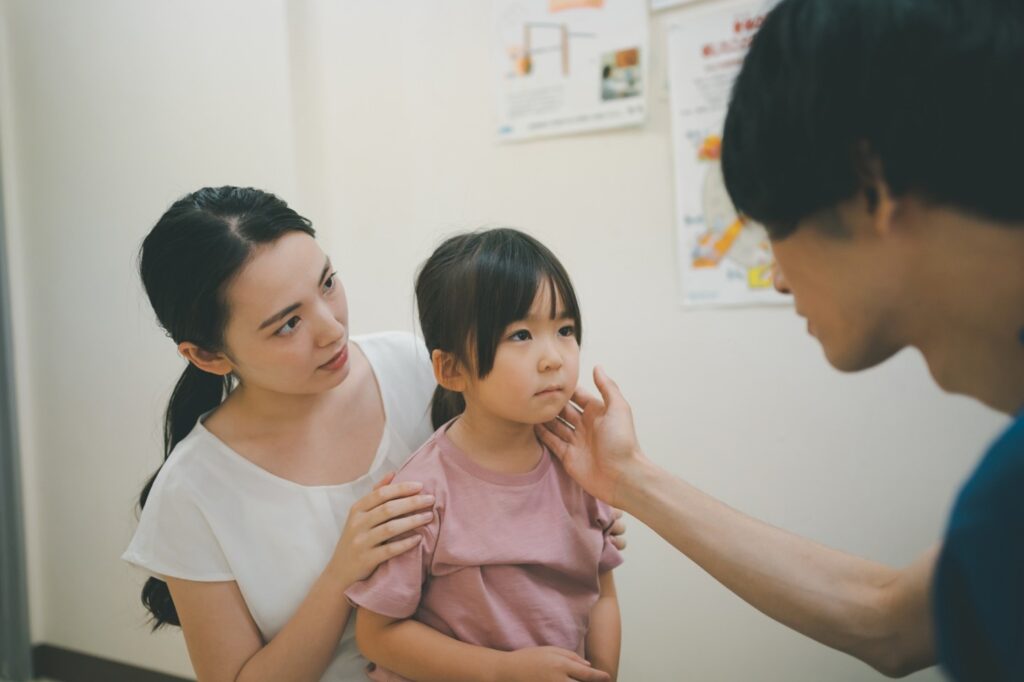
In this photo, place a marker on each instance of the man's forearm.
(876, 613)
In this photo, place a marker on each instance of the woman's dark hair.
(472, 287)
(932, 89)
(186, 262)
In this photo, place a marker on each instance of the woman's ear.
(214, 363)
(448, 372)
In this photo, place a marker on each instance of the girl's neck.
(496, 443)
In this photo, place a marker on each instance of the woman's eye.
(330, 281)
(568, 330)
(288, 327)
(521, 335)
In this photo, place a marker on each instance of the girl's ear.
(214, 363)
(448, 372)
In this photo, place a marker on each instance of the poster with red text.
(724, 258)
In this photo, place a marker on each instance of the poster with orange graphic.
(569, 66)
(724, 258)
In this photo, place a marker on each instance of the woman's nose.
(329, 329)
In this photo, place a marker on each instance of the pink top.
(510, 560)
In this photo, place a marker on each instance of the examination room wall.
(376, 120)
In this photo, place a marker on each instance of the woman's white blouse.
(214, 515)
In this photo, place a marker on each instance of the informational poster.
(724, 258)
(569, 66)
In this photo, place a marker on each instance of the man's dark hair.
(933, 90)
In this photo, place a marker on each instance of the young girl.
(517, 555)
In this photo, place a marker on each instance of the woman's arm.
(421, 653)
(879, 614)
(223, 641)
(604, 638)
(225, 644)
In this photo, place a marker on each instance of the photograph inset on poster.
(724, 258)
(569, 66)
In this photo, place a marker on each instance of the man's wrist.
(634, 482)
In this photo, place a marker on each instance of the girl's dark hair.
(186, 262)
(472, 287)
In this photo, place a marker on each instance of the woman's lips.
(338, 361)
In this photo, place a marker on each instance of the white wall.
(375, 119)
(116, 108)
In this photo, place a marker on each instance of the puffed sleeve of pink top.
(396, 587)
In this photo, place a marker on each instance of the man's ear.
(881, 204)
(208, 361)
(448, 371)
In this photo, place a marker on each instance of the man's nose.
(779, 280)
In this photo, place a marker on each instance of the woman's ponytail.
(198, 245)
(196, 393)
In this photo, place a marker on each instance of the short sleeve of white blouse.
(213, 515)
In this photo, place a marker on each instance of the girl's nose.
(550, 358)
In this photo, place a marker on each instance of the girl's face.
(287, 328)
(536, 366)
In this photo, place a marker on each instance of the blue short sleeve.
(979, 581)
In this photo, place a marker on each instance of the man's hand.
(596, 443)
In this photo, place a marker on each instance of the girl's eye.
(330, 282)
(521, 335)
(289, 326)
(568, 330)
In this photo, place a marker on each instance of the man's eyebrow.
(294, 306)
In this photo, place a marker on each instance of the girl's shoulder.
(426, 465)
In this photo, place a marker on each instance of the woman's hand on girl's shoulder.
(618, 530)
(374, 526)
(548, 664)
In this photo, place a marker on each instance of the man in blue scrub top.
(882, 144)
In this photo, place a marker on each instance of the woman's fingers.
(396, 508)
(385, 493)
(388, 477)
(617, 530)
(395, 527)
(393, 549)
